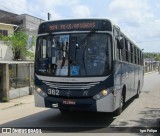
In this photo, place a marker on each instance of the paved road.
(139, 112)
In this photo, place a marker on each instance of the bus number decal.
(53, 92)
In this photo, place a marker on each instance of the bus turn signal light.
(40, 92)
(101, 94)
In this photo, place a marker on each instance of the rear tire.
(138, 91)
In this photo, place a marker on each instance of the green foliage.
(30, 54)
(155, 56)
(17, 42)
(1, 36)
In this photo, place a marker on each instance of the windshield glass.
(74, 55)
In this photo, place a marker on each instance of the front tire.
(120, 108)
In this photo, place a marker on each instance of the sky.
(138, 19)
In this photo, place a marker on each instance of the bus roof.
(129, 39)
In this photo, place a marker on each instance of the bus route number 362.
(53, 92)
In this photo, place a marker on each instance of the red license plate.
(69, 102)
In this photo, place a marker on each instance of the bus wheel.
(120, 108)
(138, 91)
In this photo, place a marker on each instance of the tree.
(17, 42)
(155, 56)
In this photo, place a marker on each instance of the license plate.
(69, 102)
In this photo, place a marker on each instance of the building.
(16, 73)
(8, 17)
(150, 64)
(6, 30)
(25, 22)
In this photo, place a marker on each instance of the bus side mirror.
(121, 43)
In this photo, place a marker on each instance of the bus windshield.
(79, 55)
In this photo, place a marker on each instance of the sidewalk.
(16, 102)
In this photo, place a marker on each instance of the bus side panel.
(126, 80)
(132, 80)
(117, 82)
(121, 79)
(136, 78)
(139, 77)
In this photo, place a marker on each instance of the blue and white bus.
(86, 64)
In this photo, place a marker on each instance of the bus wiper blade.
(74, 45)
(86, 37)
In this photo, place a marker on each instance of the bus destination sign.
(72, 26)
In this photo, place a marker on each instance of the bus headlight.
(40, 92)
(102, 94)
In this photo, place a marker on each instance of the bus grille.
(70, 86)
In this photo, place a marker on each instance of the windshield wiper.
(86, 37)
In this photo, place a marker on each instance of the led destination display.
(75, 25)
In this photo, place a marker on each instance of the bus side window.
(39, 47)
(126, 49)
(142, 60)
(129, 52)
(42, 48)
(117, 50)
(135, 55)
(132, 54)
(108, 52)
(138, 57)
(124, 53)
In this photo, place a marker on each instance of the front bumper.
(105, 104)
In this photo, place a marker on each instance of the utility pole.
(49, 16)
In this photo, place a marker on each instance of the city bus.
(86, 64)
